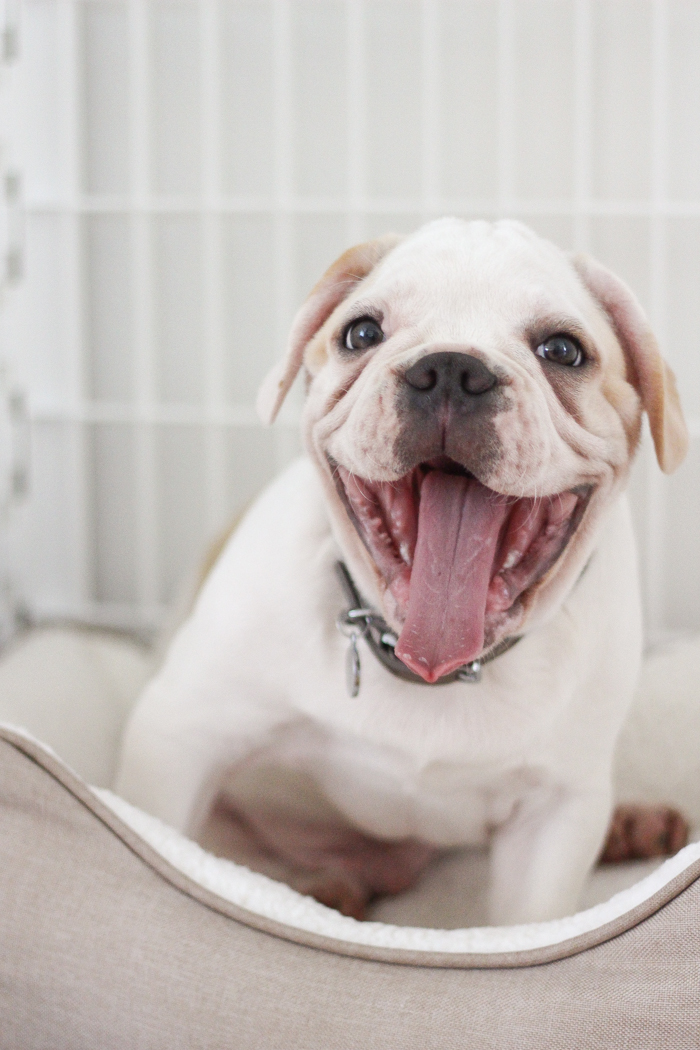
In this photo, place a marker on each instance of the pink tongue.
(459, 522)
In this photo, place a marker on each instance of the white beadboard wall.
(191, 166)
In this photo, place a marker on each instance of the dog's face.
(474, 401)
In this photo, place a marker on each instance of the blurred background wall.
(189, 167)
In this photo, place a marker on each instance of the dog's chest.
(312, 774)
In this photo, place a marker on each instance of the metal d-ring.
(348, 624)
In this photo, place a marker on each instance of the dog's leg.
(168, 774)
(325, 858)
(174, 753)
(540, 857)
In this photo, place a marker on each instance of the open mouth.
(455, 556)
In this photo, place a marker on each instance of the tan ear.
(335, 285)
(652, 377)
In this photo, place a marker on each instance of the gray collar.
(360, 619)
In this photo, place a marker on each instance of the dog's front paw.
(334, 891)
(641, 832)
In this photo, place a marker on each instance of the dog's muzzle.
(456, 556)
(446, 405)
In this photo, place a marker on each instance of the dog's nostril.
(422, 379)
(423, 375)
(477, 379)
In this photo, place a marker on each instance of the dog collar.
(361, 620)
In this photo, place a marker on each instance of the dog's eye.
(362, 334)
(561, 350)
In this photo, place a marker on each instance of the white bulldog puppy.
(474, 402)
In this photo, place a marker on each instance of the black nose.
(450, 374)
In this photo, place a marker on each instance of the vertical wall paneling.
(109, 291)
(212, 268)
(192, 166)
(175, 73)
(683, 97)
(13, 474)
(318, 84)
(468, 90)
(356, 138)
(147, 546)
(392, 45)
(506, 89)
(247, 99)
(653, 582)
(581, 73)
(178, 289)
(431, 146)
(283, 129)
(75, 517)
(622, 99)
(114, 514)
(252, 334)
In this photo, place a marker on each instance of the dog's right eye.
(362, 334)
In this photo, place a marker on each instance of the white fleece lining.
(274, 900)
(263, 896)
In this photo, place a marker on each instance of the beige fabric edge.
(54, 767)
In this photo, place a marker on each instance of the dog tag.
(470, 672)
(352, 667)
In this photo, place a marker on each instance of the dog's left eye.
(362, 334)
(561, 350)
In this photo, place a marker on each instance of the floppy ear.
(652, 377)
(336, 283)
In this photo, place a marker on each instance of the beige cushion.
(103, 944)
(658, 758)
(74, 689)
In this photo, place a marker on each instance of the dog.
(426, 633)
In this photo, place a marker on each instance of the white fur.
(530, 747)
(256, 673)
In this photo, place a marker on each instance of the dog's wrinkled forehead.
(471, 282)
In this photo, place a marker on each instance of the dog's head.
(474, 402)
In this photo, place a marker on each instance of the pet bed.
(115, 931)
